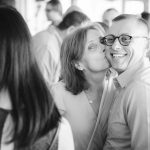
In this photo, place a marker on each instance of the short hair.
(72, 50)
(73, 18)
(33, 111)
(128, 16)
(56, 4)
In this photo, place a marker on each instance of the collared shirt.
(129, 119)
(46, 49)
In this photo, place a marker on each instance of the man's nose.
(116, 45)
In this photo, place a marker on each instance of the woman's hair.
(34, 112)
(71, 52)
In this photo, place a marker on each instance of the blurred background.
(33, 11)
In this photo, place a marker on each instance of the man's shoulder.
(43, 35)
(46, 33)
(142, 77)
(138, 88)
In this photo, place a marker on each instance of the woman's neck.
(95, 91)
(96, 80)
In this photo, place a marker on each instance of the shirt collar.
(111, 73)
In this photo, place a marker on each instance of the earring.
(78, 67)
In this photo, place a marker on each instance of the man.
(129, 121)
(47, 44)
(109, 15)
(54, 11)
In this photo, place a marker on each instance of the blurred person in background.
(109, 15)
(105, 26)
(8, 2)
(85, 93)
(54, 12)
(146, 16)
(29, 118)
(72, 8)
(47, 44)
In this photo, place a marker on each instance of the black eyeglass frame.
(104, 42)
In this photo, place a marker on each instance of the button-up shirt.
(129, 119)
(46, 49)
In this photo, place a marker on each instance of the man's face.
(53, 15)
(122, 57)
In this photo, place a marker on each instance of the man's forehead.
(129, 26)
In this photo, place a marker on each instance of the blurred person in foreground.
(85, 94)
(47, 44)
(129, 120)
(29, 118)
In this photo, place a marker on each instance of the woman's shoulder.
(7, 133)
(5, 101)
(6, 119)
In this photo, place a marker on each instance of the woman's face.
(93, 58)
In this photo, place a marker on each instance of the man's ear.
(79, 66)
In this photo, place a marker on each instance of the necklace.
(89, 97)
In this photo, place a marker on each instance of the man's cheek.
(107, 53)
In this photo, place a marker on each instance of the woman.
(29, 118)
(84, 96)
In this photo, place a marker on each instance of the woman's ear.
(79, 66)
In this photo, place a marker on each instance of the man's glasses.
(124, 39)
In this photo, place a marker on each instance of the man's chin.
(119, 70)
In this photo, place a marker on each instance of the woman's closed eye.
(93, 46)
